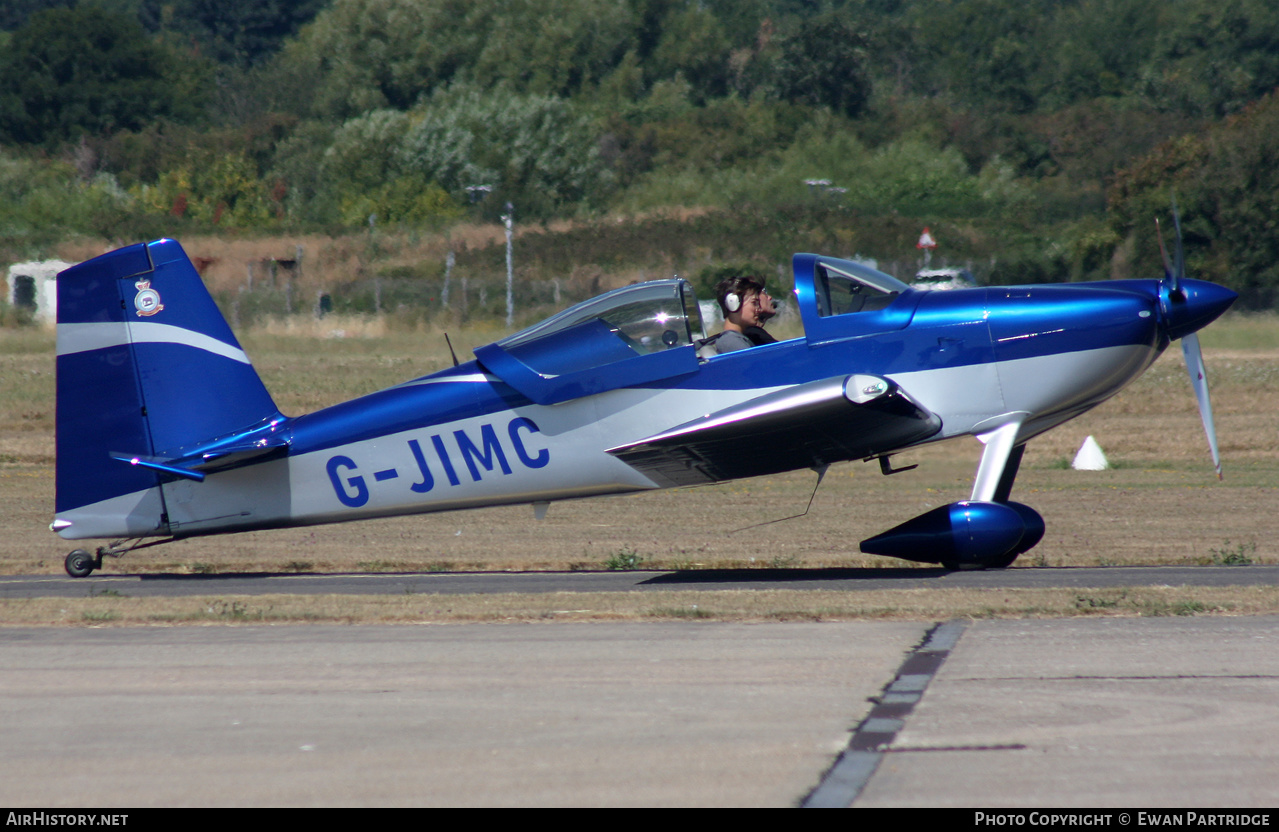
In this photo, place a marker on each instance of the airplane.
(165, 431)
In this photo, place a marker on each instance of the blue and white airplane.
(165, 431)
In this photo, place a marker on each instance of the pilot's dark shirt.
(758, 336)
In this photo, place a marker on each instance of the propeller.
(1175, 273)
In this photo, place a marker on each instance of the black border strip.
(845, 780)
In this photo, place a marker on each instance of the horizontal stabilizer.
(814, 424)
(162, 465)
(220, 457)
(228, 456)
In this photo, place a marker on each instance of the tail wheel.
(80, 563)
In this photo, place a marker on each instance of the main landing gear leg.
(994, 482)
(999, 463)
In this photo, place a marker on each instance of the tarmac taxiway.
(1080, 712)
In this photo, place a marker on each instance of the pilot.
(767, 310)
(746, 306)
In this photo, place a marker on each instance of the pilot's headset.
(733, 302)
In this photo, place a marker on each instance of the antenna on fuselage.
(450, 343)
(821, 473)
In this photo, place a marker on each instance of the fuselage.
(464, 438)
(533, 418)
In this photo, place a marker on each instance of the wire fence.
(460, 297)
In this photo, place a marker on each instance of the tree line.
(1041, 137)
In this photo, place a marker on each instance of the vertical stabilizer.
(147, 367)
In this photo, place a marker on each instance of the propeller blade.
(1179, 265)
(1195, 366)
(1163, 250)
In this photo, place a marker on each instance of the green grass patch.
(625, 559)
(1240, 554)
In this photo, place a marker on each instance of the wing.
(809, 425)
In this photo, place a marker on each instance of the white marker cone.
(1090, 457)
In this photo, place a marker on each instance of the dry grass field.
(1159, 504)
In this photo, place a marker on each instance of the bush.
(535, 151)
